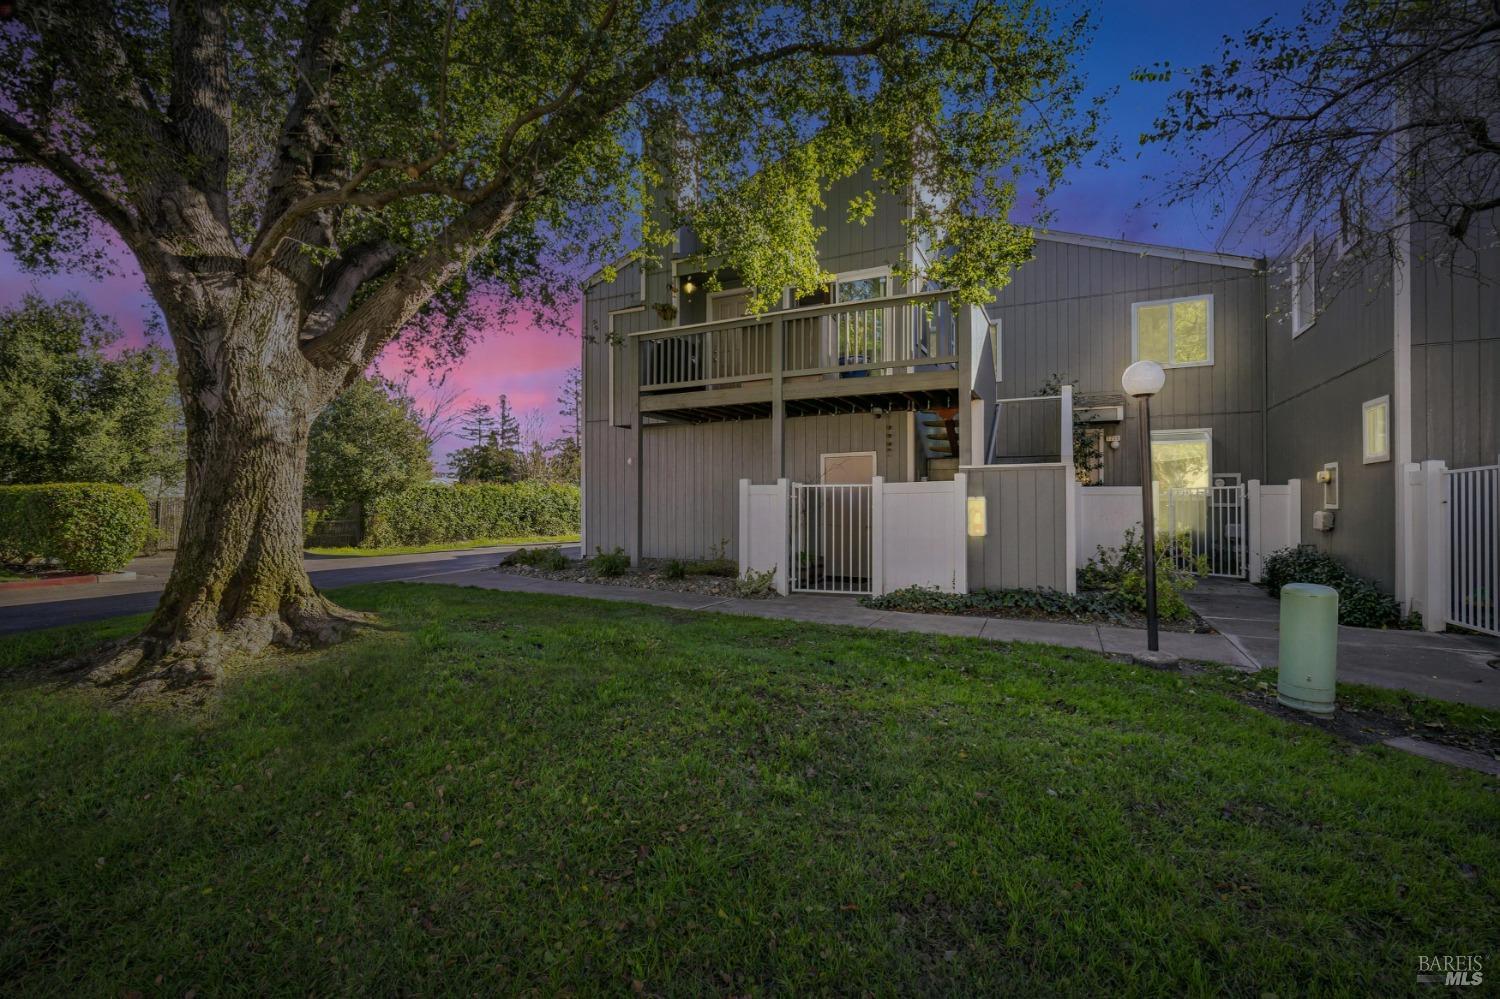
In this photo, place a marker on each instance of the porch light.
(977, 526)
(688, 287)
(1143, 379)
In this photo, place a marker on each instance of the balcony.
(897, 352)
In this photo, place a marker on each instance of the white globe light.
(1143, 378)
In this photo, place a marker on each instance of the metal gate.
(1474, 552)
(1207, 523)
(831, 538)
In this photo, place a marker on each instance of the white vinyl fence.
(832, 550)
(1207, 527)
(1474, 548)
(1235, 527)
(855, 539)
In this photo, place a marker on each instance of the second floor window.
(1175, 332)
(1304, 287)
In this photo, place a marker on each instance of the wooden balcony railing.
(875, 337)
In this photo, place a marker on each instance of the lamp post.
(1142, 380)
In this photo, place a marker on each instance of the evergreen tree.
(507, 427)
(478, 423)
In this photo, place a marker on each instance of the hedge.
(1361, 603)
(85, 526)
(434, 513)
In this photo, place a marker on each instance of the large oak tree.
(302, 183)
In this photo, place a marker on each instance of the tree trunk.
(237, 584)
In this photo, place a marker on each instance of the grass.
(448, 546)
(508, 792)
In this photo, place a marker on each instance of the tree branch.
(200, 107)
(44, 154)
(307, 148)
(343, 278)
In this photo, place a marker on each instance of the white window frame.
(1135, 329)
(996, 339)
(1372, 457)
(721, 293)
(1307, 250)
(859, 275)
(611, 349)
(823, 462)
(1191, 434)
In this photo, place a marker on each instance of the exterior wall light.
(977, 526)
(688, 287)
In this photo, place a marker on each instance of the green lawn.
(448, 546)
(505, 792)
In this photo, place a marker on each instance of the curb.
(34, 584)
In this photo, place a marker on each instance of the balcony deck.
(892, 353)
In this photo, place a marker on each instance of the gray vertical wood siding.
(1455, 354)
(1318, 382)
(691, 485)
(1068, 312)
(1026, 543)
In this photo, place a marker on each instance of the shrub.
(609, 563)
(756, 584)
(717, 563)
(1361, 603)
(434, 513)
(675, 569)
(310, 520)
(86, 526)
(1122, 571)
(1095, 605)
(546, 559)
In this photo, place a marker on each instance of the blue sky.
(1129, 36)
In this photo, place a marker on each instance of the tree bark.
(237, 585)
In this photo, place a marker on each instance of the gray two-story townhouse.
(1373, 373)
(1329, 393)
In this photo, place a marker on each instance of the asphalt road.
(48, 607)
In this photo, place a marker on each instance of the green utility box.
(1309, 647)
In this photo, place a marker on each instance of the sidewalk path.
(847, 611)
(1461, 668)
(26, 610)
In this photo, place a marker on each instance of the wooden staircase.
(937, 429)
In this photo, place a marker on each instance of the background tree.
(368, 442)
(300, 182)
(570, 404)
(565, 460)
(507, 427)
(74, 408)
(1318, 124)
(478, 423)
(487, 462)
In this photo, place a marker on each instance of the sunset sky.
(529, 365)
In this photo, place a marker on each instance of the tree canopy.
(376, 151)
(368, 442)
(300, 183)
(1356, 118)
(77, 407)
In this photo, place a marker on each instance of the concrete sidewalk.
(847, 611)
(1461, 668)
(47, 607)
